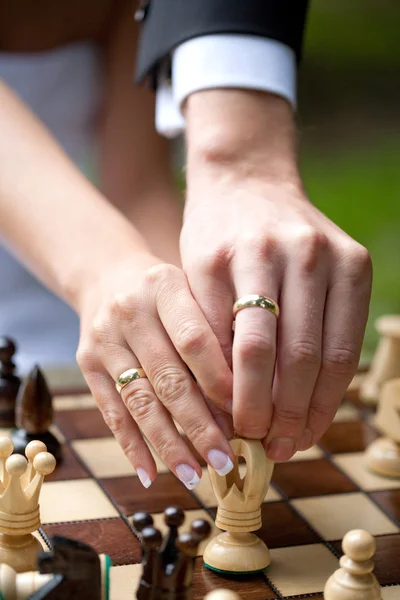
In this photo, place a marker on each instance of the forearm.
(253, 133)
(58, 224)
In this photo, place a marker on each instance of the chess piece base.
(238, 553)
(345, 586)
(19, 551)
(21, 439)
(383, 457)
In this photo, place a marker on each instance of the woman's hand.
(142, 314)
(250, 229)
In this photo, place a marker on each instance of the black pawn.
(9, 383)
(34, 415)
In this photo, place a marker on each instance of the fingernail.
(281, 449)
(306, 440)
(144, 477)
(228, 406)
(188, 476)
(220, 462)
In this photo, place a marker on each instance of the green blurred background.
(349, 127)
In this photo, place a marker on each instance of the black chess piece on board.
(9, 382)
(168, 563)
(79, 572)
(34, 415)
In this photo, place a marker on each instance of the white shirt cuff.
(223, 61)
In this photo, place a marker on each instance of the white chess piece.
(355, 580)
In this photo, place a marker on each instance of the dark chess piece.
(72, 570)
(168, 564)
(85, 574)
(34, 415)
(9, 383)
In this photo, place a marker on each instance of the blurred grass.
(360, 191)
(346, 31)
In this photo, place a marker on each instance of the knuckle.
(250, 429)
(213, 263)
(85, 357)
(318, 412)
(289, 415)
(310, 246)
(340, 360)
(303, 354)
(199, 431)
(191, 338)
(100, 331)
(171, 385)
(357, 265)
(162, 273)
(139, 401)
(113, 419)
(259, 245)
(255, 347)
(121, 305)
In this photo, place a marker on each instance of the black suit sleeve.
(168, 23)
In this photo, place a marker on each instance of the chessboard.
(314, 499)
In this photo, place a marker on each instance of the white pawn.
(354, 580)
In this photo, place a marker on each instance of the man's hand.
(250, 229)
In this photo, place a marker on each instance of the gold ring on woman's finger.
(129, 376)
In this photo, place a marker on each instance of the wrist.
(246, 133)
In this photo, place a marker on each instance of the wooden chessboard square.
(190, 516)
(132, 497)
(282, 526)
(386, 559)
(205, 493)
(353, 464)
(68, 468)
(389, 501)
(332, 516)
(124, 581)
(352, 436)
(82, 424)
(310, 478)
(108, 536)
(105, 458)
(73, 402)
(249, 587)
(75, 500)
(299, 570)
(391, 593)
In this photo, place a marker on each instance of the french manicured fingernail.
(144, 477)
(281, 449)
(188, 476)
(220, 462)
(306, 440)
(228, 406)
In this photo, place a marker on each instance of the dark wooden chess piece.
(9, 382)
(34, 415)
(168, 564)
(71, 570)
(85, 574)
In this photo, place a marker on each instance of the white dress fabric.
(63, 87)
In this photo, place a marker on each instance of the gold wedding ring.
(129, 376)
(255, 300)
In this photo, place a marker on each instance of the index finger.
(193, 338)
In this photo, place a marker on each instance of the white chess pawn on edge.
(354, 580)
